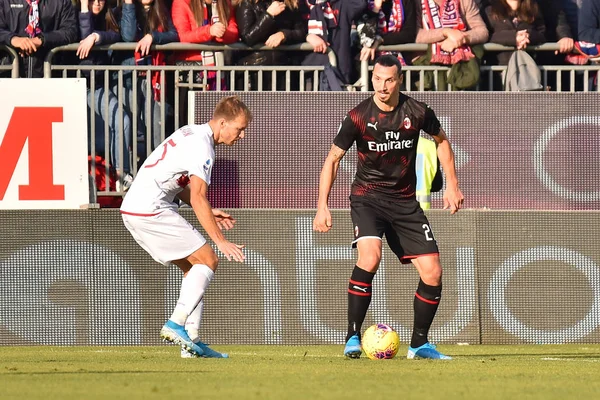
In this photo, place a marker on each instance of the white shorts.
(166, 236)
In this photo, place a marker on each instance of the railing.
(548, 71)
(558, 70)
(113, 77)
(185, 47)
(14, 66)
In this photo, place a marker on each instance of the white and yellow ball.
(380, 342)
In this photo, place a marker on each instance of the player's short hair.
(230, 108)
(388, 60)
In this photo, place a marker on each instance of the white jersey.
(190, 150)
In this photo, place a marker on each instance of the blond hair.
(230, 108)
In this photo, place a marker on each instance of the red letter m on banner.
(34, 125)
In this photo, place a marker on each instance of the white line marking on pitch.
(594, 360)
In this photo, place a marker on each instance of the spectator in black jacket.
(329, 25)
(272, 23)
(557, 26)
(147, 22)
(557, 31)
(54, 26)
(516, 23)
(388, 22)
(589, 21)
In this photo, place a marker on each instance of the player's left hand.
(453, 199)
(232, 251)
(224, 220)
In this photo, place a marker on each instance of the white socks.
(193, 286)
(192, 324)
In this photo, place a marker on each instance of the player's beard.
(384, 97)
(388, 98)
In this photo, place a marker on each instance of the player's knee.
(212, 261)
(369, 262)
(206, 256)
(432, 276)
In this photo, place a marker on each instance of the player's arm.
(224, 221)
(199, 202)
(322, 221)
(184, 195)
(453, 197)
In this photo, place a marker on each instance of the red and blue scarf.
(33, 27)
(393, 24)
(449, 17)
(322, 17)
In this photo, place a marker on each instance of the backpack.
(522, 73)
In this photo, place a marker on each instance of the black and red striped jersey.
(386, 144)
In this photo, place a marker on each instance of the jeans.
(143, 120)
(118, 146)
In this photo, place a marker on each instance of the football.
(380, 342)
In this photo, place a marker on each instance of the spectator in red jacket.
(202, 21)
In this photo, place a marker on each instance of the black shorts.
(404, 224)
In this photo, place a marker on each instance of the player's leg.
(360, 290)
(411, 239)
(368, 230)
(425, 304)
(195, 280)
(199, 268)
(192, 327)
(167, 236)
(419, 246)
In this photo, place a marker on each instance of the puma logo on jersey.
(374, 126)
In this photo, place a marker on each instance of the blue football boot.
(426, 351)
(207, 352)
(352, 349)
(175, 333)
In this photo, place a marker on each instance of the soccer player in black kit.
(385, 128)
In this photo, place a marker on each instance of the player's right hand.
(322, 221)
(232, 251)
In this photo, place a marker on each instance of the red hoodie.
(190, 32)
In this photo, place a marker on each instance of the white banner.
(43, 144)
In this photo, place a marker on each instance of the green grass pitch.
(299, 372)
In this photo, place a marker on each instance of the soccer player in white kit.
(180, 167)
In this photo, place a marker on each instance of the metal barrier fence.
(492, 74)
(150, 120)
(550, 72)
(13, 67)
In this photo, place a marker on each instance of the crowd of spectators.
(353, 29)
